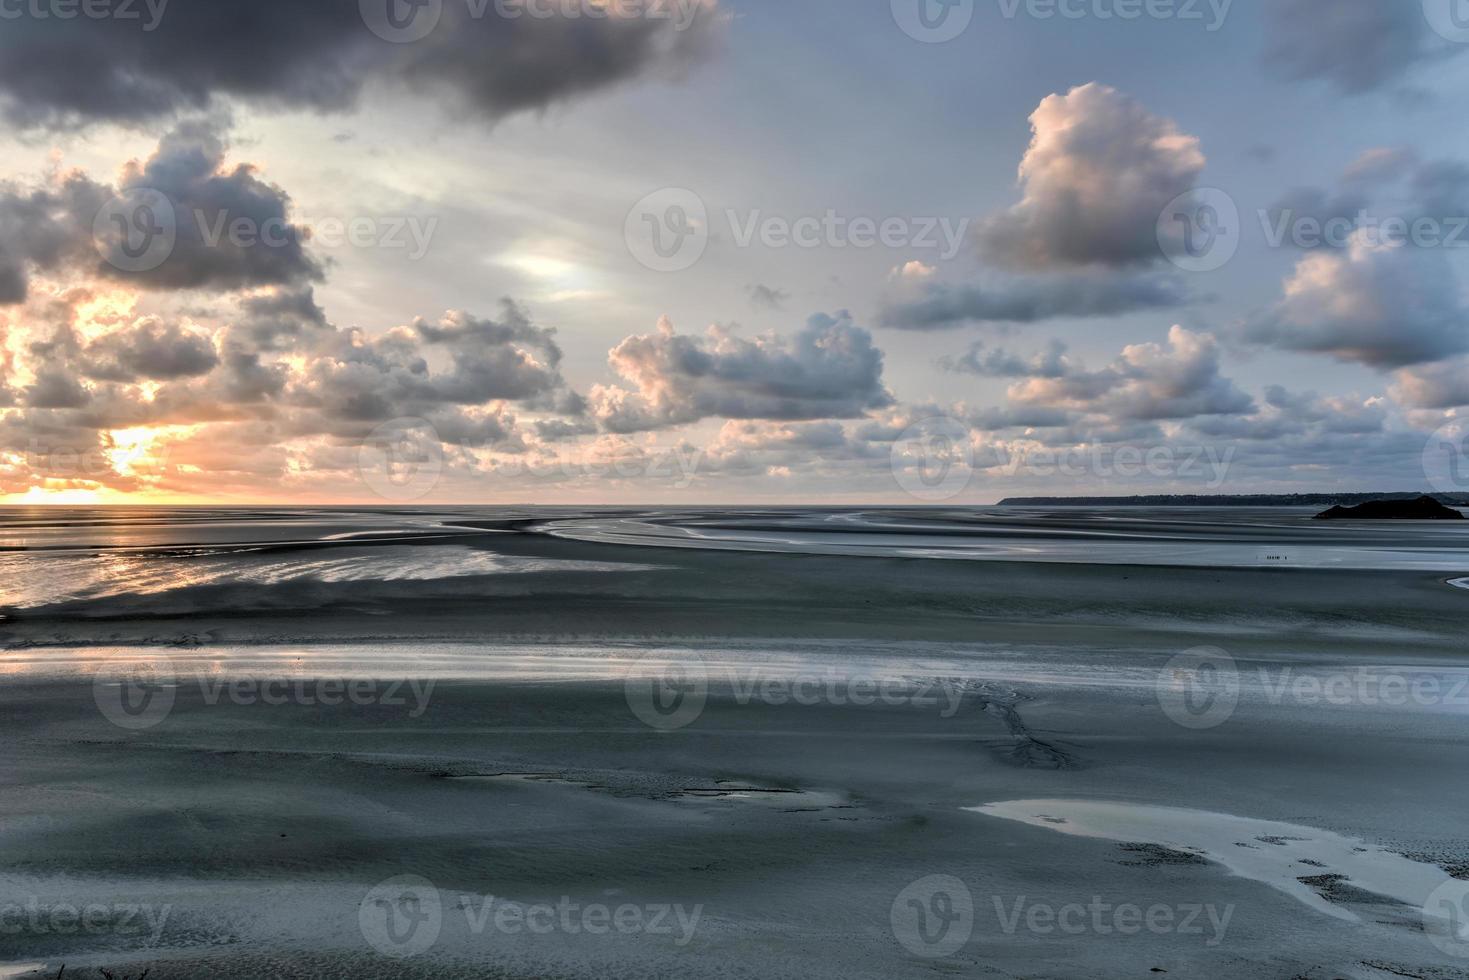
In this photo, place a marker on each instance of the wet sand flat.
(675, 757)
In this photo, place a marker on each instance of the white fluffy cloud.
(1099, 171)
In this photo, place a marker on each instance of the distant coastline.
(1233, 500)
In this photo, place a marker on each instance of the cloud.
(51, 228)
(914, 271)
(273, 372)
(1380, 163)
(1375, 303)
(941, 306)
(1148, 382)
(353, 383)
(1051, 363)
(150, 350)
(1293, 414)
(829, 370)
(44, 229)
(1100, 170)
(1098, 173)
(1388, 191)
(1354, 45)
(322, 55)
(1442, 385)
(768, 298)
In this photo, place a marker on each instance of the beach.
(543, 753)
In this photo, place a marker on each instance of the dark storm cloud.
(321, 54)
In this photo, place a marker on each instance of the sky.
(728, 251)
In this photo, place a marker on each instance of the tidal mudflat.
(829, 743)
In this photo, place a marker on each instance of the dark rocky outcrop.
(1423, 509)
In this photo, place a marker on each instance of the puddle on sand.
(786, 799)
(1278, 854)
